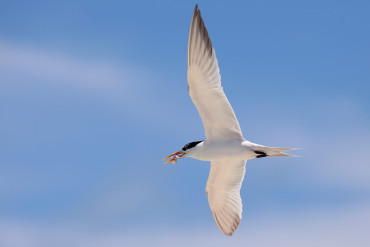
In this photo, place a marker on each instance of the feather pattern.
(204, 85)
(223, 190)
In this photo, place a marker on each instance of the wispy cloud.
(335, 137)
(342, 227)
(30, 65)
(119, 82)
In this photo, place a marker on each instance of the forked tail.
(263, 151)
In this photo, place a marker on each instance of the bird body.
(231, 150)
(224, 146)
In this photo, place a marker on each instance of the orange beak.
(174, 157)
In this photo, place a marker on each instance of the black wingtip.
(196, 10)
(199, 20)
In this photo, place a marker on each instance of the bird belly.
(230, 150)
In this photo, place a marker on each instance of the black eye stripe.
(190, 145)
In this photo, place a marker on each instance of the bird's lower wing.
(223, 190)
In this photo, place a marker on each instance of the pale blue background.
(93, 96)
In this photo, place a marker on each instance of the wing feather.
(204, 85)
(223, 190)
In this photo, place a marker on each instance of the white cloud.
(335, 138)
(340, 227)
(31, 66)
(119, 82)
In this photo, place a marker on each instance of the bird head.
(181, 153)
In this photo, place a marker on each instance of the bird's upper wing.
(223, 190)
(204, 85)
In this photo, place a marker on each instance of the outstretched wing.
(223, 190)
(204, 85)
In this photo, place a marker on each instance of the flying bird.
(224, 145)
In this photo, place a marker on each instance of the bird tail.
(263, 151)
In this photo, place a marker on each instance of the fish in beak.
(174, 157)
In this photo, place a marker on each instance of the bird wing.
(223, 191)
(204, 85)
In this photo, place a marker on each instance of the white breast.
(221, 151)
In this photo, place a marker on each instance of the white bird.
(224, 145)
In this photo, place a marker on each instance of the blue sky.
(93, 96)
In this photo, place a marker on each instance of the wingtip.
(227, 232)
(196, 9)
(199, 23)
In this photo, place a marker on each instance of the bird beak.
(174, 157)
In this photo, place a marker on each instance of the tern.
(224, 145)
